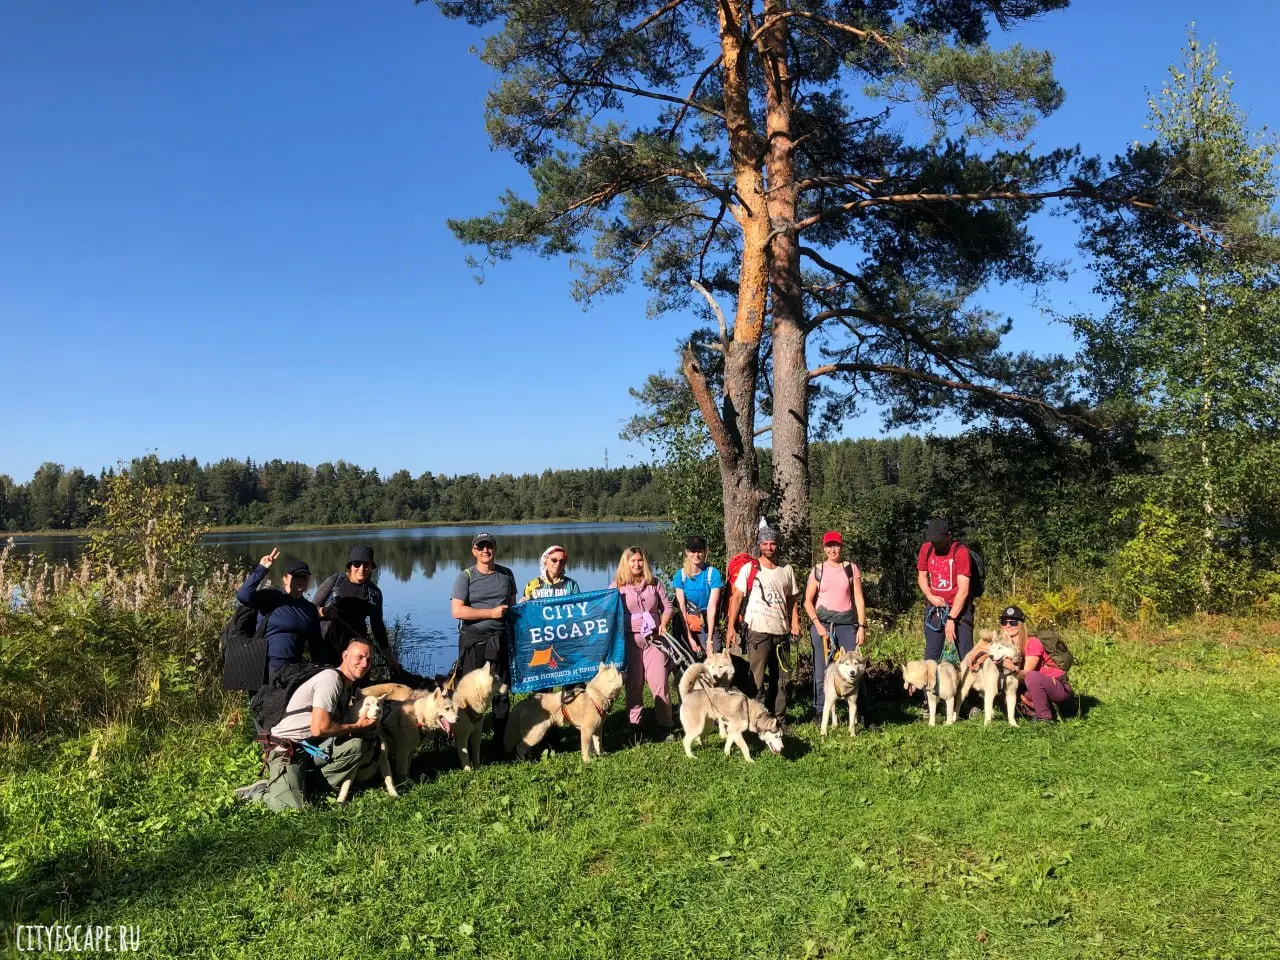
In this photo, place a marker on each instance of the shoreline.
(381, 525)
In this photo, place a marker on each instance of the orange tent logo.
(544, 658)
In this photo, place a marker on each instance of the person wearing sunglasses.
(291, 625)
(350, 605)
(552, 581)
(481, 595)
(1041, 680)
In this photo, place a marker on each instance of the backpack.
(977, 572)
(242, 649)
(270, 704)
(736, 563)
(1056, 648)
(497, 568)
(848, 572)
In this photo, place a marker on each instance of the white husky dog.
(939, 681)
(702, 704)
(842, 680)
(992, 679)
(370, 707)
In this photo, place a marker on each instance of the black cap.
(1013, 613)
(938, 529)
(361, 555)
(297, 567)
(480, 538)
(695, 544)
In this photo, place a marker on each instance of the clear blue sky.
(222, 234)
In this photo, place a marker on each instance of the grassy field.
(1146, 828)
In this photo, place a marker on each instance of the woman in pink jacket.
(648, 612)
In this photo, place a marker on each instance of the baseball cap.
(297, 567)
(938, 529)
(695, 544)
(1013, 613)
(832, 536)
(480, 538)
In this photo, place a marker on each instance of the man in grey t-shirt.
(315, 713)
(481, 595)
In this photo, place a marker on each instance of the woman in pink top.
(648, 612)
(836, 608)
(1044, 682)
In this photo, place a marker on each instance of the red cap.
(832, 536)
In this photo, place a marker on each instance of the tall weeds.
(81, 646)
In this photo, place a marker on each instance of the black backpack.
(977, 573)
(242, 647)
(270, 704)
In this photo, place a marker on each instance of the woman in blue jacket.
(293, 623)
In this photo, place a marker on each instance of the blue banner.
(563, 640)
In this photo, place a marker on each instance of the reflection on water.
(417, 565)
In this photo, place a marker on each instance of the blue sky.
(222, 234)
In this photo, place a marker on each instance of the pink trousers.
(647, 667)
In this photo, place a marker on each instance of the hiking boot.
(253, 791)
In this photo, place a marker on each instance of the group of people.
(344, 623)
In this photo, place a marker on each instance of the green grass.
(1147, 828)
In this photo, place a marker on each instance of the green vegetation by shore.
(1142, 828)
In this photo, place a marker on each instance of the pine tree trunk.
(790, 367)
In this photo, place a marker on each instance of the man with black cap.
(772, 618)
(943, 572)
(481, 595)
(292, 624)
(351, 606)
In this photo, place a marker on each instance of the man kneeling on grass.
(315, 742)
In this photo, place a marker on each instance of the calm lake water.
(417, 566)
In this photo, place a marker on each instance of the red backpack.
(736, 563)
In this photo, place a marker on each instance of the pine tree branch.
(715, 308)
(985, 196)
(1017, 399)
(639, 92)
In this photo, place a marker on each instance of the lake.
(417, 565)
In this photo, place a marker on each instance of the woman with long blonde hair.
(648, 613)
(1041, 678)
(697, 585)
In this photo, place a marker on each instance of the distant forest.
(279, 493)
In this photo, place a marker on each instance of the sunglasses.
(485, 546)
(555, 559)
(366, 566)
(1010, 623)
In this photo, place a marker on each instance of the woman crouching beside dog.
(648, 612)
(1043, 681)
(836, 608)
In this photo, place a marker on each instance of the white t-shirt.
(767, 610)
(327, 690)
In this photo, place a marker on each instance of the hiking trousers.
(934, 640)
(845, 637)
(287, 782)
(647, 667)
(1041, 690)
(768, 676)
